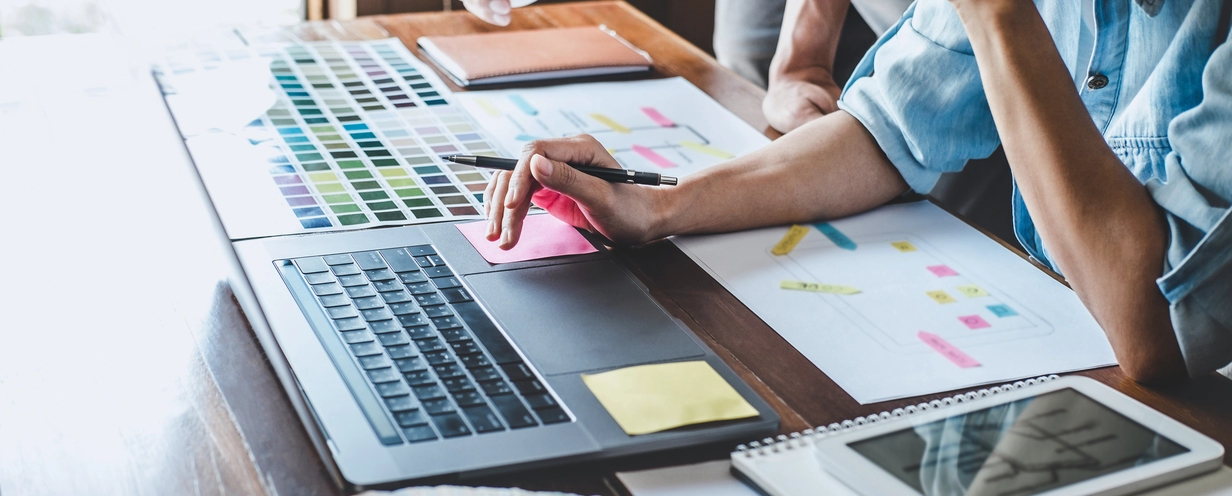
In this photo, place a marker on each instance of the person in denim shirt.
(1117, 128)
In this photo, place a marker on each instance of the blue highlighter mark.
(523, 104)
(836, 236)
(524, 137)
(1002, 311)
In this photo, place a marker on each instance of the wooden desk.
(126, 367)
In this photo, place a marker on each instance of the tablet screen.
(1025, 447)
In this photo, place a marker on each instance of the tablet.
(1071, 436)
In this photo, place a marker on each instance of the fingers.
(820, 99)
(516, 204)
(496, 204)
(582, 149)
(493, 11)
(588, 191)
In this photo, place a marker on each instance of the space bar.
(486, 332)
(339, 354)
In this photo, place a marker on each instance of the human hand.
(493, 11)
(792, 102)
(624, 213)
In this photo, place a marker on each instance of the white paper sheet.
(870, 342)
(664, 125)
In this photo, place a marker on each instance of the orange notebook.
(514, 56)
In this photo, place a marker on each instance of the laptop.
(409, 357)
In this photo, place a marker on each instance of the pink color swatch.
(947, 350)
(659, 119)
(974, 321)
(543, 236)
(653, 157)
(942, 270)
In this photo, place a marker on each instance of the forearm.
(831, 167)
(1097, 221)
(808, 39)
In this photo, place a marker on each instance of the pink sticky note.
(653, 157)
(942, 270)
(947, 350)
(659, 119)
(543, 236)
(974, 321)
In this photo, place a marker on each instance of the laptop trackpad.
(581, 316)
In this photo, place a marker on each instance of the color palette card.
(345, 135)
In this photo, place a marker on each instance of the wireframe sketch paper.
(909, 301)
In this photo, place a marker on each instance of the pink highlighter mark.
(942, 270)
(658, 118)
(947, 350)
(655, 158)
(974, 321)
(543, 236)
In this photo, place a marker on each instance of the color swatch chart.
(352, 139)
(665, 125)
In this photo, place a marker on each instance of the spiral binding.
(784, 442)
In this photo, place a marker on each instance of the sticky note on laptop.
(652, 398)
(543, 236)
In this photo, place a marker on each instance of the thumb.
(560, 177)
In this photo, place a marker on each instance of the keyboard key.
(465, 348)
(345, 270)
(366, 349)
(495, 388)
(419, 433)
(394, 339)
(517, 371)
(413, 320)
(449, 370)
(411, 364)
(429, 299)
(436, 260)
(368, 260)
(422, 250)
(342, 312)
(377, 314)
(458, 384)
(360, 291)
(384, 326)
(474, 361)
(355, 280)
(396, 296)
(352, 324)
(361, 336)
(483, 419)
(386, 374)
(553, 415)
(423, 261)
(310, 265)
(437, 271)
(421, 288)
(380, 275)
(449, 322)
(428, 392)
(437, 311)
(319, 278)
(511, 408)
(342, 259)
(327, 289)
(438, 406)
(374, 362)
(387, 389)
(419, 378)
(369, 303)
(540, 401)
(438, 357)
(452, 335)
(398, 352)
(450, 425)
(399, 260)
(456, 295)
(401, 403)
(446, 282)
(468, 398)
(411, 418)
(486, 332)
(420, 332)
(412, 277)
(431, 344)
(384, 286)
(403, 308)
(334, 300)
(529, 387)
(484, 374)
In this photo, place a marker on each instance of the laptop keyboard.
(421, 357)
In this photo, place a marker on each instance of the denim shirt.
(1166, 111)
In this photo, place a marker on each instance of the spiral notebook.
(787, 465)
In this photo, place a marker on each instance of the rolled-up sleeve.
(1196, 197)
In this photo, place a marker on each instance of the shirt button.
(1097, 81)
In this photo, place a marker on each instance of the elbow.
(1153, 374)
(1152, 363)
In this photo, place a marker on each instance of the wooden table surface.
(127, 367)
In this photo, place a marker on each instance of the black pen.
(604, 173)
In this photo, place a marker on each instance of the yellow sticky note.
(817, 287)
(940, 296)
(607, 121)
(652, 398)
(488, 107)
(903, 246)
(708, 150)
(790, 240)
(971, 291)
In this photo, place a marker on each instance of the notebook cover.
(488, 55)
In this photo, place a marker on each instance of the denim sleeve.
(1196, 198)
(918, 93)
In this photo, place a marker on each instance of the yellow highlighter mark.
(940, 296)
(607, 121)
(488, 107)
(971, 291)
(903, 246)
(652, 398)
(817, 287)
(708, 150)
(790, 240)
